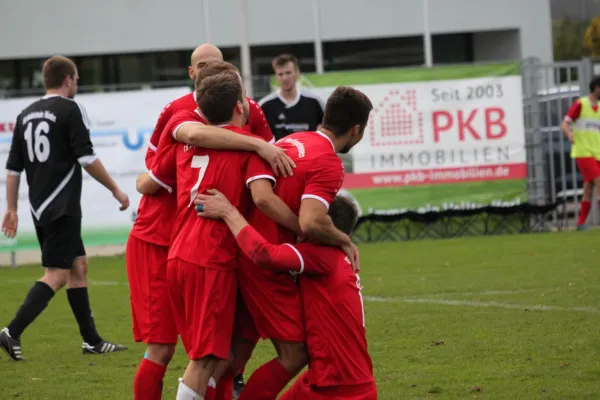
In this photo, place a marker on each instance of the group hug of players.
(239, 239)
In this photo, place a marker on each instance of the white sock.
(212, 383)
(186, 393)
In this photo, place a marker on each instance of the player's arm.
(321, 188)
(282, 257)
(211, 137)
(145, 185)
(272, 206)
(162, 175)
(571, 117)
(260, 181)
(161, 123)
(14, 166)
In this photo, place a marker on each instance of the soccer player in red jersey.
(202, 56)
(202, 258)
(147, 247)
(340, 366)
(271, 296)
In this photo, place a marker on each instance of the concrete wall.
(118, 26)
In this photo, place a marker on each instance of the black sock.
(36, 301)
(80, 305)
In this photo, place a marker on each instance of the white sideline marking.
(471, 303)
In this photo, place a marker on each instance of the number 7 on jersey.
(200, 162)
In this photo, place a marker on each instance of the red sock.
(225, 388)
(210, 393)
(148, 382)
(266, 382)
(584, 212)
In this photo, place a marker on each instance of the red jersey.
(201, 241)
(319, 175)
(184, 103)
(257, 123)
(575, 111)
(332, 303)
(156, 213)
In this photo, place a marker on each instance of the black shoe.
(11, 346)
(238, 385)
(102, 347)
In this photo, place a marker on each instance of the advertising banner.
(442, 144)
(121, 124)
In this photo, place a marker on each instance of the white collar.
(327, 137)
(48, 96)
(294, 102)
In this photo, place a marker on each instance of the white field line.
(488, 304)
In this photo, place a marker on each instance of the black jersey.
(305, 113)
(51, 141)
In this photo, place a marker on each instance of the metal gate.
(548, 92)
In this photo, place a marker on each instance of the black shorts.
(60, 241)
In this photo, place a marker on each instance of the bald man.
(200, 56)
(149, 240)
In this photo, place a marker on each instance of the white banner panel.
(442, 132)
(122, 123)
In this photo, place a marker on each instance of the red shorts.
(274, 302)
(153, 321)
(589, 168)
(303, 390)
(203, 302)
(244, 323)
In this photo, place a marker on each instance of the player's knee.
(55, 278)
(293, 357)
(161, 353)
(78, 275)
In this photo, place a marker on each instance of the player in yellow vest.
(582, 127)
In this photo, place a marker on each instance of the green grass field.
(511, 317)
(413, 197)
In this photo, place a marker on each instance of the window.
(373, 53)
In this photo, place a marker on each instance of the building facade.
(121, 42)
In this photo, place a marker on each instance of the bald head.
(201, 55)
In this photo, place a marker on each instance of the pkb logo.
(396, 121)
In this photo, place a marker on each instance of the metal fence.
(548, 92)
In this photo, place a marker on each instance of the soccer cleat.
(103, 347)
(583, 227)
(11, 346)
(238, 385)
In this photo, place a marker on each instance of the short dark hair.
(282, 59)
(212, 68)
(594, 83)
(345, 108)
(218, 95)
(343, 213)
(56, 69)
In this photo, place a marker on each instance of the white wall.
(117, 26)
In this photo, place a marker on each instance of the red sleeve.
(179, 119)
(258, 122)
(163, 118)
(257, 168)
(164, 169)
(266, 255)
(574, 112)
(325, 180)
